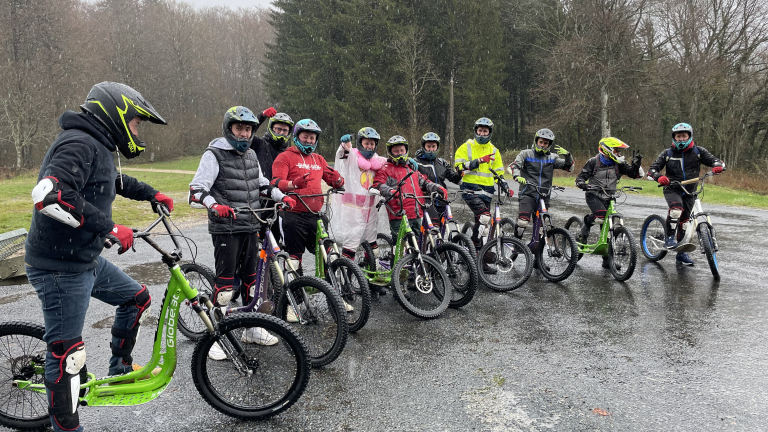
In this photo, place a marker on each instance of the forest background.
(583, 68)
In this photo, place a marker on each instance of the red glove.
(301, 182)
(121, 235)
(444, 192)
(663, 180)
(717, 169)
(486, 158)
(339, 183)
(162, 199)
(223, 211)
(289, 201)
(269, 112)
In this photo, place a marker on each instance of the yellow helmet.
(611, 148)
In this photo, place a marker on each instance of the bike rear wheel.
(465, 242)
(622, 254)
(507, 226)
(201, 278)
(461, 270)
(573, 225)
(322, 319)
(22, 357)
(421, 289)
(558, 256)
(511, 266)
(652, 237)
(254, 381)
(353, 287)
(708, 248)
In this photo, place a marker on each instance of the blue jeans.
(65, 297)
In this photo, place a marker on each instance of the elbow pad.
(197, 198)
(48, 201)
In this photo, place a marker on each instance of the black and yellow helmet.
(115, 105)
(397, 140)
(611, 148)
(284, 119)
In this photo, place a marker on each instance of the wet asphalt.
(670, 349)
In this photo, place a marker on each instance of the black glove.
(473, 164)
(637, 158)
(581, 184)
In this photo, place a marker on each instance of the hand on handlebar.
(581, 185)
(717, 169)
(223, 211)
(521, 180)
(288, 202)
(121, 235)
(663, 180)
(164, 200)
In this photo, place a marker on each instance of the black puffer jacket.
(438, 170)
(682, 165)
(237, 185)
(267, 149)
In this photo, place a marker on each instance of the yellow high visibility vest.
(482, 175)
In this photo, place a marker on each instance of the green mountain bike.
(253, 382)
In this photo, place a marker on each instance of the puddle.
(149, 274)
(15, 297)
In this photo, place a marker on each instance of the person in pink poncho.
(354, 215)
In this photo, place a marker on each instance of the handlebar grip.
(108, 243)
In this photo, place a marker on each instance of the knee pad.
(375, 248)
(222, 290)
(599, 220)
(483, 221)
(675, 213)
(296, 262)
(64, 391)
(522, 223)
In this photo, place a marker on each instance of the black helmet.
(430, 136)
(115, 105)
(238, 114)
(397, 140)
(483, 121)
(280, 118)
(370, 133)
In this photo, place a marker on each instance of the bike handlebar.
(339, 190)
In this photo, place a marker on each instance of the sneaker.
(684, 259)
(670, 243)
(216, 353)
(348, 307)
(258, 335)
(290, 316)
(136, 367)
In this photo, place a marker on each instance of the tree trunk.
(606, 126)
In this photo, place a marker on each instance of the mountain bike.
(554, 248)
(508, 261)
(456, 259)
(420, 283)
(653, 233)
(319, 310)
(615, 241)
(342, 273)
(254, 382)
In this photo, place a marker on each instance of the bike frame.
(178, 291)
(601, 247)
(697, 212)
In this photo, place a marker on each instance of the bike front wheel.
(22, 357)
(201, 278)
(321, 318)
(248, 380)
(508, 263)
(652, 237)
(622, 254)
(461, 270)
(557, 257)
(706, 239)
(420, 285)
(353, 287)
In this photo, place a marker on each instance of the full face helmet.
(284, 119)
(483, 121)
(611, 148)
(370, 133)
(682, 127)
(547, 135)
(114, 105)
(430, 137)
(397, 140)
(307, 125)
(238, 114)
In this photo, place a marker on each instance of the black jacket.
(599, 174)
(237, 185)
(438, 170)
(267, 149)
(81, 156)
(682, 164)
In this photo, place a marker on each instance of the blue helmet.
(238, 114)
(308, 125)
(682, 127)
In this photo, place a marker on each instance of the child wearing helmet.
(536, 166)
(387, 178)
(355, 217)
(604, 170)
(299, 169)
(437, 169)
(476, 159)
(230, 176)
(682, 161)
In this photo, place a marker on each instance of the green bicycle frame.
(163, 354)
(321, 254)
(385, 276)
(601, 247)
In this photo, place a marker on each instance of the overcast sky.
(230, 3)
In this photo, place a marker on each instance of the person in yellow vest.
(476, 158)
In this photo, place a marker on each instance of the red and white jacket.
(292, 164)
(387, 178)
